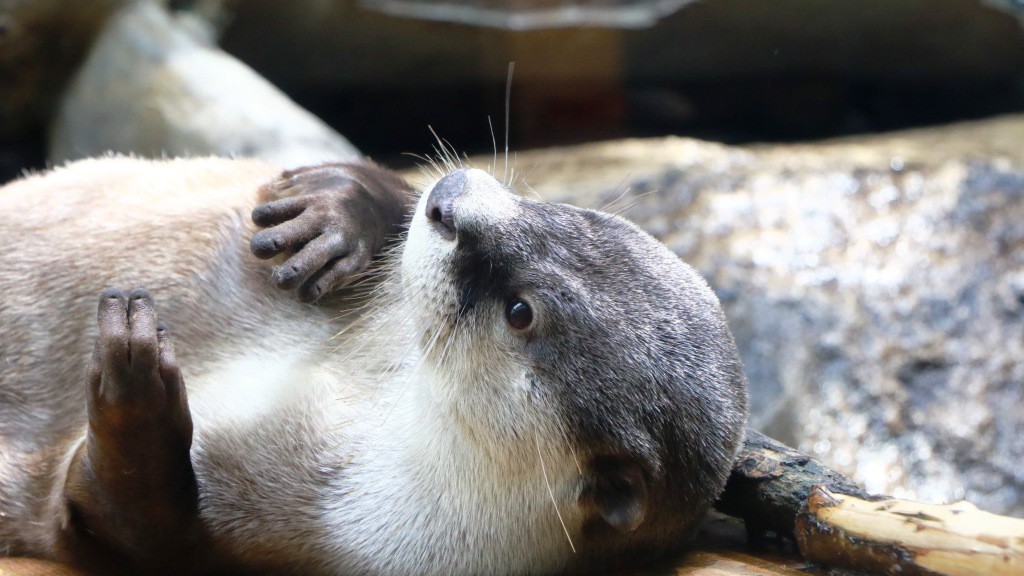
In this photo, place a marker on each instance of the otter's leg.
(331, 220)
(130, 495)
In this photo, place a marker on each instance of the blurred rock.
(154, 84)
(1015, 7)
(875, 287)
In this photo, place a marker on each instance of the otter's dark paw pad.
(134, 378)
(330, 221)
(130, 491)
(138, 411)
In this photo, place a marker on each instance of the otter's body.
(178, 227)
(408, 429)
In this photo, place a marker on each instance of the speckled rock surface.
(875, 288)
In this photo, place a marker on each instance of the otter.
(324, 371)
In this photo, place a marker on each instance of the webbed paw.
(331, 220)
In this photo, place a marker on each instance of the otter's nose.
(441, 202)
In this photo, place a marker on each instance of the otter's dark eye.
(519, 314)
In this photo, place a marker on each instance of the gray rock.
(155, 85)
(875, 288)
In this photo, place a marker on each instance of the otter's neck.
(428, 491)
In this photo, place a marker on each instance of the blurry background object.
(42, 42)
(734, 71)
(728, 70)
(154, 84)
(533, 14)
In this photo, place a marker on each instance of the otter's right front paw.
(331, 220)
(131, 493)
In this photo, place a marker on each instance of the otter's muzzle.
(468, 199)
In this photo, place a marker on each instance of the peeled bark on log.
(900, 537)
(770, 483)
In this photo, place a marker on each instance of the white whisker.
(508, 101)
(551, 493)
(494, 144)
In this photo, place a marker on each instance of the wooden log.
(835, 523)
(721, 547)
(731, 563)
(770, 483)
(33, 567)
(901, 537)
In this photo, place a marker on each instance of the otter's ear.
(619, 491)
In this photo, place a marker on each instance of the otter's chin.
(427, 290)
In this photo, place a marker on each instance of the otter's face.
(576, 326)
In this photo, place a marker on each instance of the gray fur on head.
(628, 356)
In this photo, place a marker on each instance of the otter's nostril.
(442, 214)
(435, 214)
(441, 202)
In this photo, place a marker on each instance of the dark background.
(729, 70)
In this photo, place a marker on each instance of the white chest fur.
(432, 499)
(369, 485)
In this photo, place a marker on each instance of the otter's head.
(570, 328)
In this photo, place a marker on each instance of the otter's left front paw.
(331, 220)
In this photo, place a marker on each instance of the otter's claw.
(331, 220)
